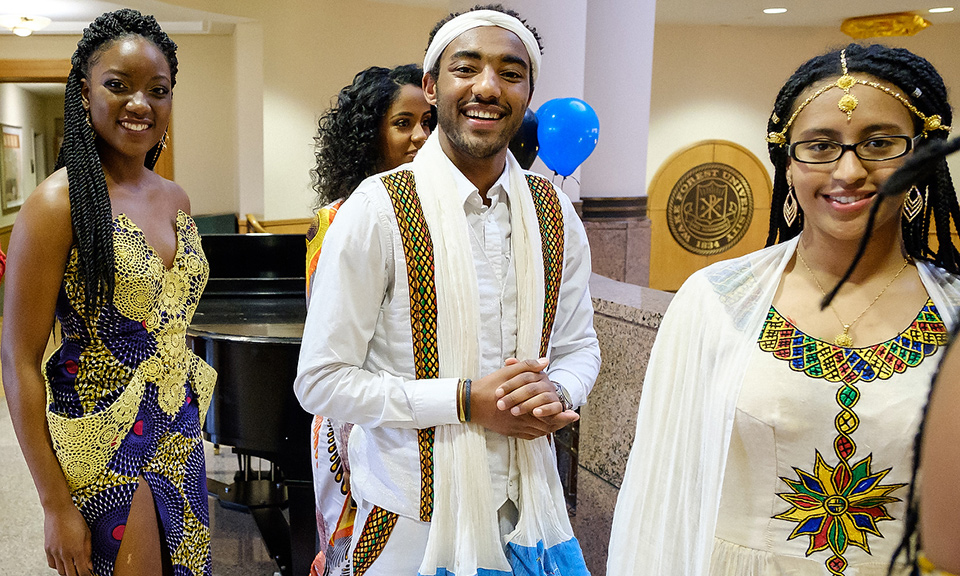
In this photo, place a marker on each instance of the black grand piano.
(248, 327)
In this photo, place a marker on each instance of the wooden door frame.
(34, 70)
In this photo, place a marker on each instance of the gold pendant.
(843, 339)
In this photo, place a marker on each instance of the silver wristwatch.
(564, 397)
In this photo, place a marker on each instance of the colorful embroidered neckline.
(820, 359)
(836, 507)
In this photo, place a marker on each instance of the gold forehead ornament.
(848, 103)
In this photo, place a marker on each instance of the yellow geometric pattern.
(376, 532)
(418, 253)
(550, 219)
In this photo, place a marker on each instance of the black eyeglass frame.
(911, 144)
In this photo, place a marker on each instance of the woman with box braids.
(110, 423)
(90, 211)
(921, 84)
(776, 430)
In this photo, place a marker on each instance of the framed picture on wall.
(12, 193)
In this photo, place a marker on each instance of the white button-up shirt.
(356, 360)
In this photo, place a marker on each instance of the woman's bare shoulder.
(49, 203)
(174, 194)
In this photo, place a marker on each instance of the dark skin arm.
(39, 248)
(519, 400)
(939, 504)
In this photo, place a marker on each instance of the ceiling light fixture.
(24, 25)
(940, 10)
(774, 10)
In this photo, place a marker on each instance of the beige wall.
(720, 82)
(309, 51)
(205, 123)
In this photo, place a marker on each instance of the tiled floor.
(235, 542)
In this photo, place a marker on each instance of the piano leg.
(276, 536)
(303, 525)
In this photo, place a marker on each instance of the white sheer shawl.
(666, 512)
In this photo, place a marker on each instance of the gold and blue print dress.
(126, 399)
(821, 452)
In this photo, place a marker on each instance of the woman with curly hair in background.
(110, 424)
(379, 122)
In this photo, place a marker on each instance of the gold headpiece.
(848, 103)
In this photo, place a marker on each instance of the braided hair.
(922, 85)
(348, 133)
(90, 211)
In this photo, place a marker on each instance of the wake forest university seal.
(710, 208)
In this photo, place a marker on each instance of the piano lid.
(255, 265)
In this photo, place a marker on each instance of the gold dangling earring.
(790, 207)
(163, 141)
(87, 118)
(914, 203)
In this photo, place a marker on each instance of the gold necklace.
(843, 339)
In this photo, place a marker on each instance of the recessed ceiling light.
(774, 10)
(940, 10)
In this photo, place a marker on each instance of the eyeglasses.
(874, 149)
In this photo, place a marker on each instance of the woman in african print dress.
(379, 122)
(110, 423)
(776, 437)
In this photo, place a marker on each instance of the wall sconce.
(24, 25)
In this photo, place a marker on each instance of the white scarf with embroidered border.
(464, 532)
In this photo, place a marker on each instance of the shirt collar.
(470, 195)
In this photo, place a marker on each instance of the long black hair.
(90, 211)
(348, 133)
(922, 85)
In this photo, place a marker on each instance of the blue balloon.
(567, 130)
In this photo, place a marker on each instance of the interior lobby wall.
(205, 123)
(720, 82)
(309, 51)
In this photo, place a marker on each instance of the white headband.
(469, 20)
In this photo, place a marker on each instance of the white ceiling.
(71, 16)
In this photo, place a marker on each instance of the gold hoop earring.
(790, 207)
(914, 203)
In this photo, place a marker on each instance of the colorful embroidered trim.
(550, 218)
(418, 254)
(376, 532)
(820, 359)
(838, 506)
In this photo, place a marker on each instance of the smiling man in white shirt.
(435, 278)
